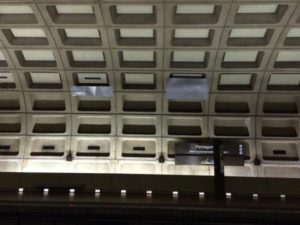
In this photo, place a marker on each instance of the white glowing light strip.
(134, 9)
(191, 33)
(74, 9)
(136, 33)
(88, 55)
(248, 33)
(260, 8)
(15, 9)
(138, 55)
(134, 78)
(82, 33)
(235, 79)
(28, 32)
(195, 9)
(295, 32)
(38, 55)
(240, 56)
(45, 78)
(288, 56)
(284, 79)
(189, 56)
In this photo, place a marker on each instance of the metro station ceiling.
(248, 50)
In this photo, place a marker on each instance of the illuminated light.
(228, 195)
(263, 8)
(288, 56)
(134, 9)
(201, 194)
(45, 78)
(138, 55)
(191, 33)
(294, 32)
(240, 56)
(46, 191)
(138, 78)
(235, 79)
(74, 9)
(136, 33)
(195, 9)
(188, 56)
(248, 33)
(284, 79)
(86, 56)
(28, 32)
(82, 33)
(71, 193)
(97, 193)
(15, 9)
(38, 55)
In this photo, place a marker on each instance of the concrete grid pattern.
(248, 50)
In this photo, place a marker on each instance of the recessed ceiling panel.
(288, 56)
(195, 9)
(248, 33)
(134, 9)
(294, 32)
(28, 32)
(45, 77)
(85, 55)
(136, 33)
(188, 56)
(240, 56)
(258, 8)
(138, 55)
(74, 9)
(15, 9)
(284, 79)
(138, 78)
(235, 79)
(82, 33)
(38, 55)
(191, 33)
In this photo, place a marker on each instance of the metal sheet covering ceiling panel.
(248, 50)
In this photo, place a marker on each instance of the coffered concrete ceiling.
(248, 50)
